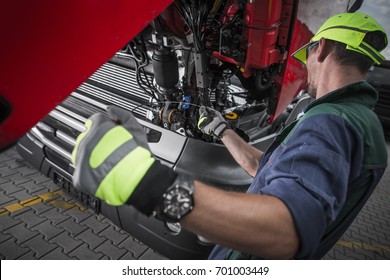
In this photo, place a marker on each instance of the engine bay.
(201, 53)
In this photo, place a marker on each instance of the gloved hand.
(114, 163)
(211, 121)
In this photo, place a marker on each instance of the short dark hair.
(344, 56)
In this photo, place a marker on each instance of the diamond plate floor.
(39, 221)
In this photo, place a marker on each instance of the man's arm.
(212, 122)
(246, 156)
(257, 224)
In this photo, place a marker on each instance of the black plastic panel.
(212, 163)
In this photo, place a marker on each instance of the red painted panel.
(262, 21)
(295, 74)
(48, 48)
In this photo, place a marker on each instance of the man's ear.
(324, 49)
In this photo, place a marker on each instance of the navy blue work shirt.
(312, 171)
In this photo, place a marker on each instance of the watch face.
(177, 202)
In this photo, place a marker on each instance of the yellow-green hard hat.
(350, 29)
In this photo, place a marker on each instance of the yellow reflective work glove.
(113, 162)
(211, 121)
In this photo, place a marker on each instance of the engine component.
(201, 70)
(165, 67)
(230, 37)
(169, 116)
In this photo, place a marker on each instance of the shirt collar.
(360, 92)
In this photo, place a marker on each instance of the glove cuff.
(220, 128)
(150, 190)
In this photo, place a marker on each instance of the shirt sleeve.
(310, 174)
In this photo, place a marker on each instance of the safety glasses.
(310, 47)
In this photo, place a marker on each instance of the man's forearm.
(257, 224)
(245, 155)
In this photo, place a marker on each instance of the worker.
(307, 187)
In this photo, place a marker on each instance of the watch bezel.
(170, 207)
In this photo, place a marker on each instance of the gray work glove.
(211, 121)
(113, 162)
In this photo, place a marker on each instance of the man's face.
(311, 72)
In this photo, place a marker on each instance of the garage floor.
(39, 221)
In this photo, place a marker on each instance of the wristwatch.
(177, 200)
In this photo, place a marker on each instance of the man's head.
(354, 40)
(353, 32)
